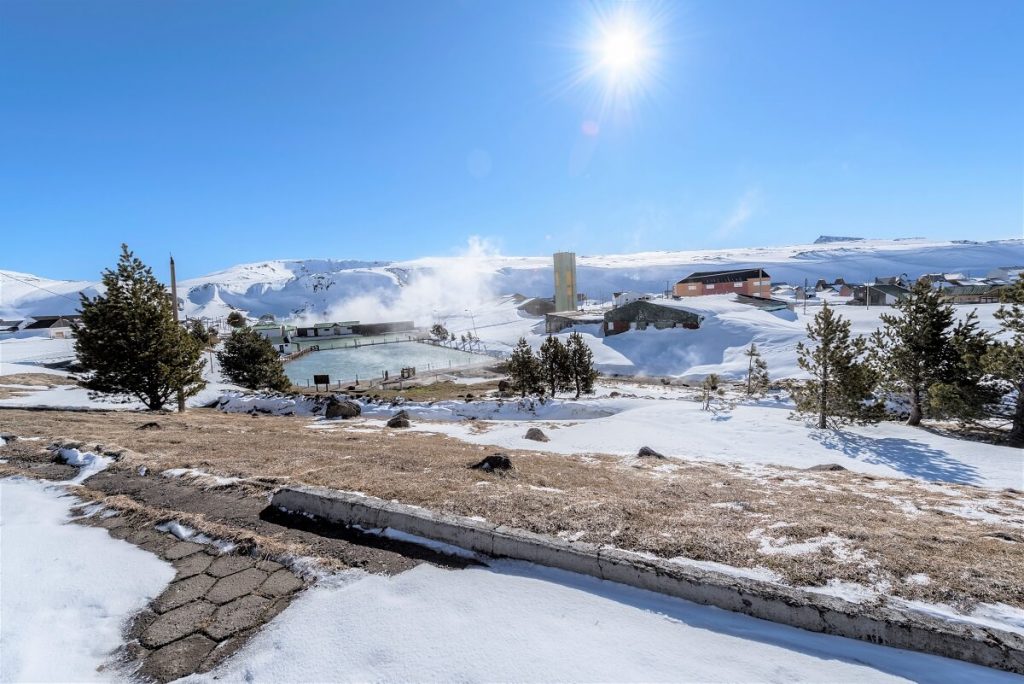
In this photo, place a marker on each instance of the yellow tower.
(565, 281)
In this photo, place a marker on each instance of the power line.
(39, 287)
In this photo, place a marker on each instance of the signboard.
(321, 380)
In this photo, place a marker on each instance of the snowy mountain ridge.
(321, 287)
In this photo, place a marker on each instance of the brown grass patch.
(861, 529)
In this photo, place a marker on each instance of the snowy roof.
(724, 276)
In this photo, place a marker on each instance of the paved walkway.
(215, 603)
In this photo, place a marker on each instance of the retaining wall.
(887, 625)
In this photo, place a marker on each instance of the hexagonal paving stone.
(177, 623)
(268, 566)
(178, 659)
(229, 565)
(281, 583)
(236, 616)
(231, 587)
(180, 593)
(140, 537)
(181, 549)
(192, 565)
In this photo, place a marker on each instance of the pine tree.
(236, 319)
(968, 392)
(129, 341)
(1005, 359)
(250, 360)
(841, 383)
(523, 369)
(581, 365)
(554, 365)
(914, 349)
(757, 372)
(205, 336)
(439, 332)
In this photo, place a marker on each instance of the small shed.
(658, 313)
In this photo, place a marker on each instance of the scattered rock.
(827, 467)
(504, 386)
(342, 409)
(536, 434)
(151, 425)
(614, 393)
(648, 451)
(493, 462)
(399, 420)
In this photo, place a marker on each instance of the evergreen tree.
(554, 365)
(968, 392)
(236, 319)
(841, 381)
(250, 360)
(757, 372)
(439, 332)
(1005, 360)
(205, 336)
(523, 369)
(129, 341)
(914, 349)
(581, 365)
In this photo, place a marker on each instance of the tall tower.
(565, 281)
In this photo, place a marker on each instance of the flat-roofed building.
(749, 281)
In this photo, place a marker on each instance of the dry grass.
(26, 380)
(877, 531)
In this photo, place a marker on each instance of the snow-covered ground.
(29, 354)
(761, 433)
(67, 589)
(520, 622)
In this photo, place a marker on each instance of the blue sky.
(229, 132)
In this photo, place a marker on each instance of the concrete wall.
(888, 625)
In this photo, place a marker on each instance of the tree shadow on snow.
(912, 458)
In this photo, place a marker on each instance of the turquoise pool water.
(367, 363)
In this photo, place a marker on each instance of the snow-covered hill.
(421, 289)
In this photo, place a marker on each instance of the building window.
(710, 286)
(691, 287)
(737, 284)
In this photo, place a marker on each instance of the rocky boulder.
(399, 420)
(648, 452)
(342, 409)
(536, 434)
(493, 462)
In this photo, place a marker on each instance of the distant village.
(626, 311)
(751, 286)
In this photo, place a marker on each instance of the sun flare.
(621, 49)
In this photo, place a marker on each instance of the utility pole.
(174, 305)
(805, 310)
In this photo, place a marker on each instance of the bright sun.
(621, 49)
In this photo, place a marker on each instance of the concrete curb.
(886, 625)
